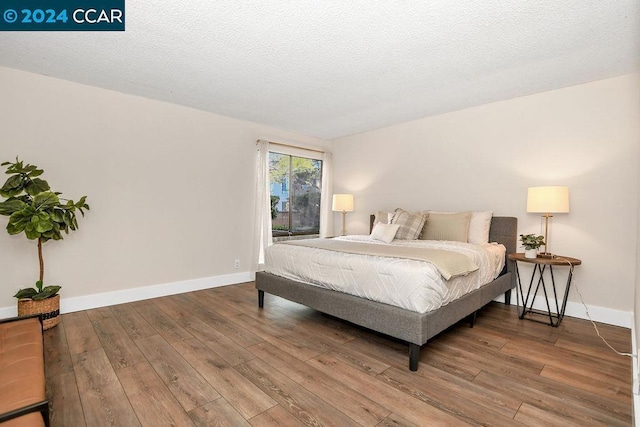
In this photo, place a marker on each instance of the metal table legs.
(527, 306)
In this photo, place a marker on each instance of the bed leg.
(472, 319)
(414, 356)
(260, 299)
(507, 297)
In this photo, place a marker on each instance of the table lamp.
(547, 200)
(343, 203)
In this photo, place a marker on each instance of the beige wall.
(170, 188)
(586, 137)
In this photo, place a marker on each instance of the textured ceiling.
(333, 68)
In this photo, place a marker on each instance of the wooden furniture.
(22, 380)
(412, 327)
(540, 266)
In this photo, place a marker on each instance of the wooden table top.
(557, 260)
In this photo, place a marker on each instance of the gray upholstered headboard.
(504, 229)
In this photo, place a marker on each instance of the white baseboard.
(636, 410)
(634, 350)
(69, 305)
(575, 309)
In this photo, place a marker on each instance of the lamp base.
(546, 255)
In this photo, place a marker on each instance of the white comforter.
(413, 285)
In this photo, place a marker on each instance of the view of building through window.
(295, 184)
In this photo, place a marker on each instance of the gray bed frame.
(414, 328)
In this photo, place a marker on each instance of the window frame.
(290, 155)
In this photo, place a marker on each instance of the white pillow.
(479, 227)
(384, 232)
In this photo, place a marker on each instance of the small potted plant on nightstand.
(41, 215)
(531, 243)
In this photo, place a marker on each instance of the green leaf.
(33, 208)
(18, 221)
(45, 200)
(43, 295)
(12, 187)
(14, 229)
(36, 186)
(65, 228)
(25, 293)
(51, 290)
(43, 225)
(55, 233)
(31, 233)
(8, 207)
(40, 293)
(82, 205)
(14, 167)
(56, 215)
(22, 217)
(67, 218)
(13, 182)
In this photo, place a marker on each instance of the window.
(295, 184)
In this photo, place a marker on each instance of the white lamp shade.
(553, 199)
(342, 202)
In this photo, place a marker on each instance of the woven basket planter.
(49, 310)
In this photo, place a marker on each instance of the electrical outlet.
(236, 264)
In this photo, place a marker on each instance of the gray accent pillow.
(447, 226)
(383, 217)
(411, 224)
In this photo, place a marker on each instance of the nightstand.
(540, 266)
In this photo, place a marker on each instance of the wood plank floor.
(213, 358)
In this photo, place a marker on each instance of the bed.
(408, 325)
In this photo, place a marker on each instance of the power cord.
(586, 309)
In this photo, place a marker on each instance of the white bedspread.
(410, 284)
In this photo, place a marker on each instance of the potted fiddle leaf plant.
(42, 215)
(531, 244)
